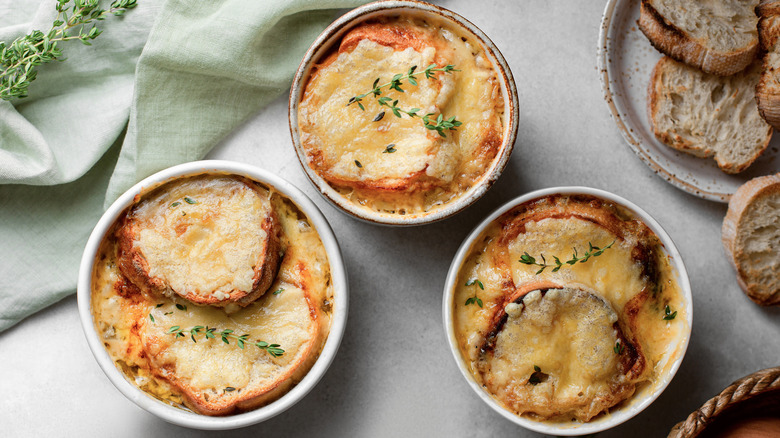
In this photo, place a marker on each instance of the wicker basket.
(751, 396)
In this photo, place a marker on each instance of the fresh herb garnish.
(357, 163)
(475, 299)
(439, 124)
(278, 291)
(175, 204)
(190, 200)
(151, 317)
(593, 251)
(159, 305)
(229, 389)
(477, 282)
(536, 376)
(389, 149)
(668, 314)
(168, 313)
(181, 306)
(19, 60)
(618, 348)
(225, 335)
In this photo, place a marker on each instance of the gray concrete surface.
(394, 375)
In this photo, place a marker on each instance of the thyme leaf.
(668, 314)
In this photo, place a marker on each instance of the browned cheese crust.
(399, 36)
(134, 264)
(226, 403)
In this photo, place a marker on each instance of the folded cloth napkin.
(185, 74)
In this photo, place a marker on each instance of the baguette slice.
(768, 88)
(718, 37)
(211, 240)
(707, 115)
(751, 236)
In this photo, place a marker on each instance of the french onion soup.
(404, 114)
(212, 293)
(566, 307)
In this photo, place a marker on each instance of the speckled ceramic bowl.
(184, 417)
(324, 44)
(618, 414)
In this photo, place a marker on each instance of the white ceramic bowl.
(639, 401)
(332, 35)
(184, 417)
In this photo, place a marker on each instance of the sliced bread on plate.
(707, 115)
(751, 236)
(719, 37)
(768, 88)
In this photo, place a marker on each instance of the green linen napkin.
(185, 74)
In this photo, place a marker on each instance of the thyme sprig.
(668, 314)
(593, 251)
(397, 80)
(618, 348)
(225, 335)
(475, 300)
(19, 60)
(430, 120)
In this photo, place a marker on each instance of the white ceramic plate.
(626, 60)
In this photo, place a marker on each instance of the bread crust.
(680, 45)
(745, 196)
(134, 264)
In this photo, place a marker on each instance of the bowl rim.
(614, 418)
(179, 416)
(508, 87)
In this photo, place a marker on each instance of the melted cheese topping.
(581, 377)
(203, 236)
(213, 365)
(426, 170)
(134, 328)
(613, 273)
(614, 276)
